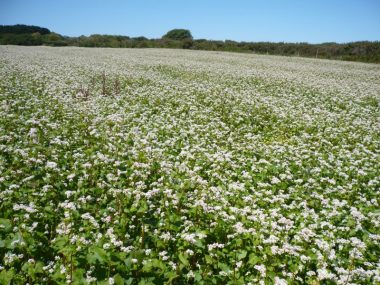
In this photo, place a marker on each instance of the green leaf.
(38, 267)
(209, 259)
(5, 225)
(199, 244)
(60, 242)
(78, 277)
(171, 276)
(6, 277)
(13, 238)
(143, 207)
(158, 264)
(224, 267)
(67, 250)
(271, 275)
(242, 254)
(25, 267)
(118, 279)
(154, 263)
(197, 277)
(238, 242)
(96, 254)
(183, 259)
(147, 281)
(253, 259)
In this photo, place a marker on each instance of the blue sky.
(311, 21)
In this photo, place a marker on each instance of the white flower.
(279, 281)
(51, 165)
(189, 237)
(324, 274)
(262, 269)
(215, 245)
(71, 176)
(275, 180)
(33, 134)
(189, 252)
(190, 274)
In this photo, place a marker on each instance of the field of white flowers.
(151, 166)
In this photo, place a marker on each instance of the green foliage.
(178, 34)
(97, 254)
(182, 39)
(22, 29)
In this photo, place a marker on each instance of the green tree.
(178, 34)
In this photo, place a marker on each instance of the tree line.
(364, 51)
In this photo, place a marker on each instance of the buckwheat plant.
(150, 166)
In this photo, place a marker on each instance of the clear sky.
(311, 21)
